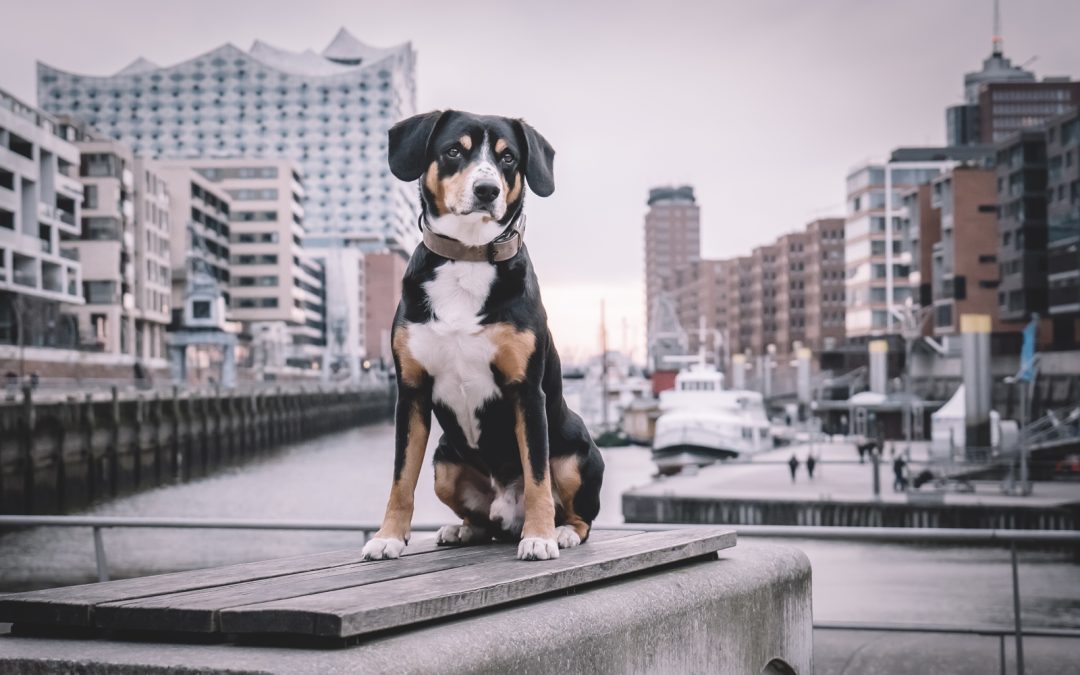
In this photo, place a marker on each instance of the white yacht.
(701, 422)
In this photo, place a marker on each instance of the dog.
(471, 343)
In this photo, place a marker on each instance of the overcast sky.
(762, 105)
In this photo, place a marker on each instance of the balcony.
(1065, 298)
(71, 186)
(54, 214)
(70, 253)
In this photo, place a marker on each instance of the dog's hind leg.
(576, 482)
(468, 493)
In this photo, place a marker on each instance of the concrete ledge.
(732, 615)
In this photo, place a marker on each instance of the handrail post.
(99, 554)
(1001, 644)
(1016, 613)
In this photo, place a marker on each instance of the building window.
(90, 197)
(200, 309)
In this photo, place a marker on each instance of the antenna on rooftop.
(997, 28)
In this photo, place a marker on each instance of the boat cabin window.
(698, 386)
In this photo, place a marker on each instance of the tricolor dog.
(471, 344)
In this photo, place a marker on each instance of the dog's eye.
(508, 158)
(454, 151)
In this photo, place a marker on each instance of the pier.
(760, 492)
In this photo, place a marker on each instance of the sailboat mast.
(603, 366)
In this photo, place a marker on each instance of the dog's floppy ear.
(409, 142)
(539, 160)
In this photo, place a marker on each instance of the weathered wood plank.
(73, 605)
(399, 602)
(197, 610)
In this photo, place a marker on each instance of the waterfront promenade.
(766, 476)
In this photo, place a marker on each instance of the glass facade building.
(327, 112)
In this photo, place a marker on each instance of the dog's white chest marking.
(453, 348)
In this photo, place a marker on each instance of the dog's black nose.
(486, 192)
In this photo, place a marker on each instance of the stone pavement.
(867, 653)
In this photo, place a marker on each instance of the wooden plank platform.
(335, 595)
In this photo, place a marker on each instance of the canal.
(346, 476)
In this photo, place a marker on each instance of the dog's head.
(472, 169)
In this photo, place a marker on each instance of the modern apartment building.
(383, 272)
(763, 296)
(1063, 229)
(790, 289)
(741, 316)
(327, 112)
(878, 264)
(40, 219)
(268, 280)
(1007, 107)
(964, 122)
(124, 249)
(921, 227)
(824, 284)
(699, 290)
(672, 241)
(1001, 99)
(199, 222)
(1021, 195)
(963, 261)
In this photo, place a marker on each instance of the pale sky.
(763, 105)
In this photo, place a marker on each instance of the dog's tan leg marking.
(469, 494)
(539, 527)
(415, 398)
(397, 523)
(465, 490)
(412, 373)
(566, 475)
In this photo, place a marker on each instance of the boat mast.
(603, 366)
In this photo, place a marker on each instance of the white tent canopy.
(947, 425)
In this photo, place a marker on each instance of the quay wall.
(59, 456)
(647, 508)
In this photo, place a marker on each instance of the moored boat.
(701, 422)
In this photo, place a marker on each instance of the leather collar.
(503, 247)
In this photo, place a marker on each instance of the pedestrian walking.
(810, 464)
(899, 479)
(793, 464)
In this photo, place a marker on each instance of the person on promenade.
(810, 464)
(899, 480)
(793, 464)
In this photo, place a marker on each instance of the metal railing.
(866, 534)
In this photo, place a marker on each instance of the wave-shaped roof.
(344, 54)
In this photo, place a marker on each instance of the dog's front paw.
(383, 549)
(566, 536)
(461, 535)
(537, 548)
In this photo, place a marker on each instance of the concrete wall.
(646, 508)
(733, 614)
